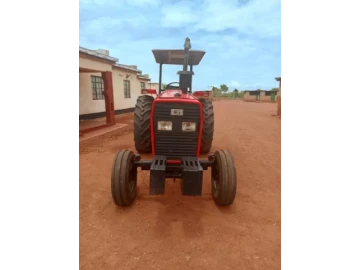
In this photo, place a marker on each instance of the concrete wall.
(211, 95)
(119, 75)
(247, 97)
(86, 103)
(89, 63)
(264, 98)
(147, 84)
(154, 86)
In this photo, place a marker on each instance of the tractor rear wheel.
(208, 126)
(142, 135)
(124, 178)
(223, 178)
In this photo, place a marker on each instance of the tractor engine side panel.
(176, 143)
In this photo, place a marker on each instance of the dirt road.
(175, 232)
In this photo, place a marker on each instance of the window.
(127, 89)
(254, 93)
(142, 85)
(97, 87)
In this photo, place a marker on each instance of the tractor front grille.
(176, 143)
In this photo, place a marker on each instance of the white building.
(106, 87)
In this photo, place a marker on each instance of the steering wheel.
(170, 86)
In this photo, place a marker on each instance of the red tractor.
(176, 127)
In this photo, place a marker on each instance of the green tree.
(224, 88)
(236, 93)
(216, 91)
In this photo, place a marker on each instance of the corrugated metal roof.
(143, 77)
(127, 67)
(106, 57)
(97, 54)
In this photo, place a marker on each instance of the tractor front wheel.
(208, 126)
(223, 178)
(142, 135)
(124, 178)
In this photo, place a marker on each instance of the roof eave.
(122, 66)
(144, 78)
(97, 54)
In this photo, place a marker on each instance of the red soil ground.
(176, 232)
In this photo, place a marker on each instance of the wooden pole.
(279, 100)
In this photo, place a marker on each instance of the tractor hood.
(176, 94)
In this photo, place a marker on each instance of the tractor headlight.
(165, 125)
(188, 126)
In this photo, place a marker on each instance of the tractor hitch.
(188, 169)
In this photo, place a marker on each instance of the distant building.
(154, 85)
(260, 95)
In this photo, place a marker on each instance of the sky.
(242, 38)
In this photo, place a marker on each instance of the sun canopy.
(176, 57)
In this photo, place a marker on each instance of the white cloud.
(177, 15)
(246, 86)
(258, 17)
(101, 23)
(140, 3)
(234, 84)
(136, 3)
(250, 55)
